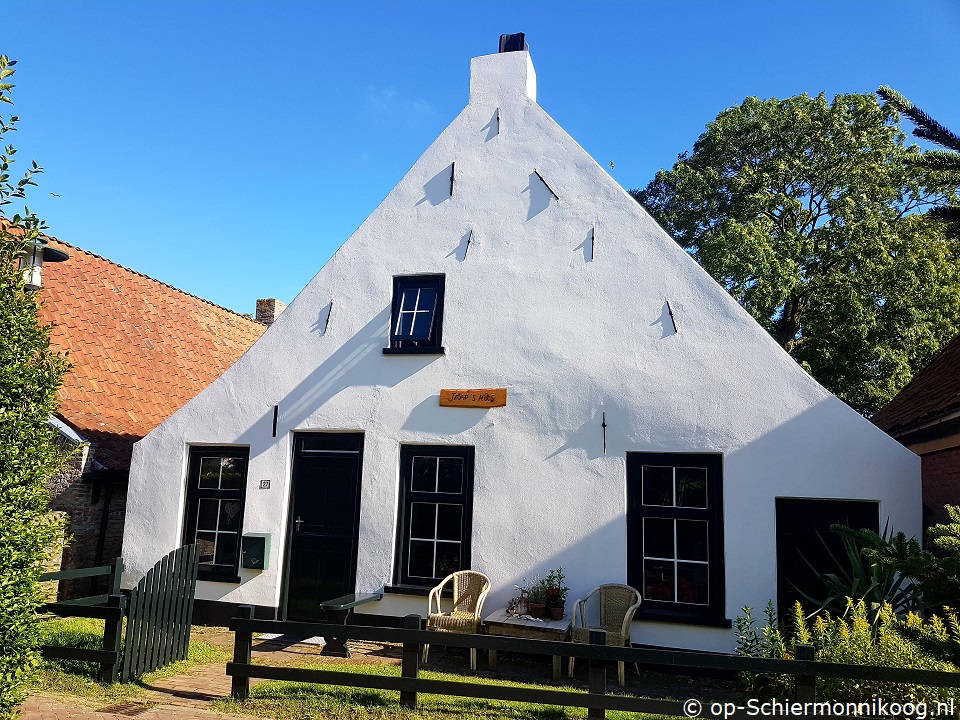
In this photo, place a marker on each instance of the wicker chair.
(469, 591)
(618, 603)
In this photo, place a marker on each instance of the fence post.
(116, 573)
(410, 664)
(111, 640)
(806, 685)
(597, 674)
(242, 646)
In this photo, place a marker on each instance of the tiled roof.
(933, 393)
(140, 349)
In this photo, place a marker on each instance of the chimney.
(268, 310)
(509, 73)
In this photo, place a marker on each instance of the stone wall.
(82, 498)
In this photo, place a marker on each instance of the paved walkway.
(189, 694)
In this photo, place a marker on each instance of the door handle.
(298, 522)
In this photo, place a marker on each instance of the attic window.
(416, 318)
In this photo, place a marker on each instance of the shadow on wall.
(437, 188)
(426, 418)
(596, 557)
(827, 452)
(492, 127)
(460, 251)
(665, 321)
(539, 195)
(589, 437)
(356, 363)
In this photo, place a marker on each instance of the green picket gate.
(160, 610)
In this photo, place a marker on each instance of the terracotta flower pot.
(555, 613)
(538, 610)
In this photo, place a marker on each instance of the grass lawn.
(286, 700)
(79, 679)
(301, 701)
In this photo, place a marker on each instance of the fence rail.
(159, 613)
(109, 608)
(804, 669)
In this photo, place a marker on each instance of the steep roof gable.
(140, 348)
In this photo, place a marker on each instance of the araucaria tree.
(943, 161)
(806, 212)
(29, 377)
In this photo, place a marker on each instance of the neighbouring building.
(925, 416)
(510, 367)
(139, 349)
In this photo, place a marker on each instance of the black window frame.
(712, 612)
(408, 497)
(433, 344)
(195, 494)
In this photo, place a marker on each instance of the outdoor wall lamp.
(31, 262)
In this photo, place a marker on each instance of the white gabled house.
(653, 433)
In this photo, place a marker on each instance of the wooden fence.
(159, 613)
(109, 608)
(804, 669)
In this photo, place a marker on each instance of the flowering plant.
(555, 590)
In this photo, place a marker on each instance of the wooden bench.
(338, 611)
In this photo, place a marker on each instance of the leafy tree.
(30, 374)
(806, 213)
(944, 161)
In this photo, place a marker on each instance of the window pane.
(691, 487)
(230, 515)
(210, 472)
(448, 558)
(423, 520)
(226, 549)
(231, 473)
(658, 580)
(408, 299)
(424, 475)
(449, 522)
(207, 514)
(206, 542)
(404, 324)
(658, 538)
(692, 583)
(692, 540)
(450, 479)
(421, 559)
(423, 318)
(657, 485)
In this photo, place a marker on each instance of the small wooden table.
(337, 611)
(500, 623)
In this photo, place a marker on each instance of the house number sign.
(483, 397)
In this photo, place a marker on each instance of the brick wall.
(74, 495)
(941, 484)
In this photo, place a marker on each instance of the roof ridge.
(153, 279)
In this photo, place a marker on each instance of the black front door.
(325, 519)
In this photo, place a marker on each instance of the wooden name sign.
(484, 397)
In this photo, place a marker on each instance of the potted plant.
(537, 596)
(556, 593)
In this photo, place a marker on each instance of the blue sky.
(230, 147)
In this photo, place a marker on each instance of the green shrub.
(29, 377)
(857, 637)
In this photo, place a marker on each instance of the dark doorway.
(801, 525)
(325, 520)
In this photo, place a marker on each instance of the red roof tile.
(140, 348)
(933, 393)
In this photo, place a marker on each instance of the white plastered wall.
(562, 301)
